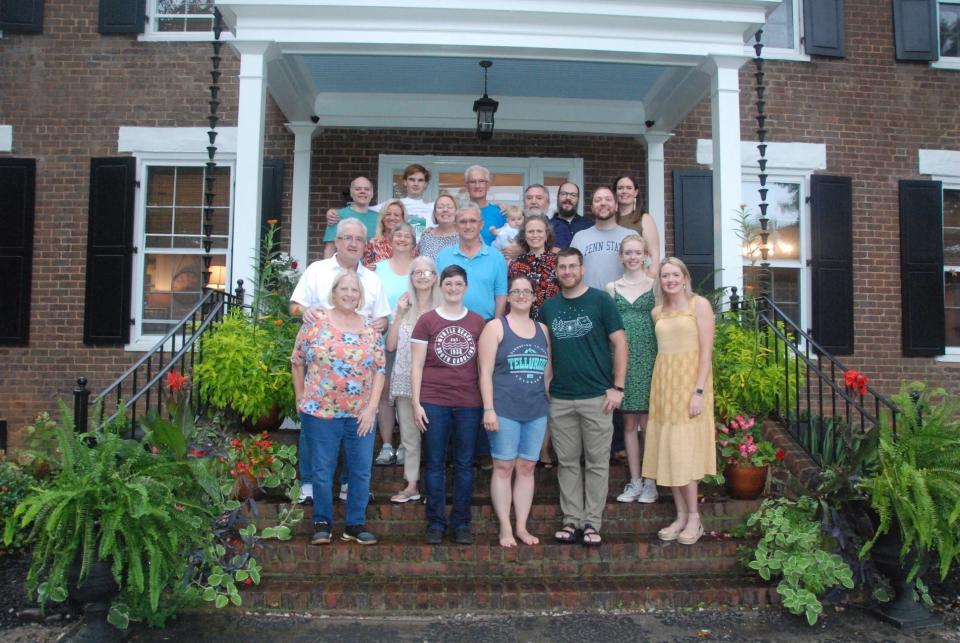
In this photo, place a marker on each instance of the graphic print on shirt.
(527, 363)
(454, 346)
(571, 328)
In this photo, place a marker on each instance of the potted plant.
(746, 457)
(915, 492)
(257, 463)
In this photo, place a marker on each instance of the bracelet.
(485, 410)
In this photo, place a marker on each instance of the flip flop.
(403, 497)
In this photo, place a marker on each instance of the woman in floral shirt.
(537, 261)
(338, 371)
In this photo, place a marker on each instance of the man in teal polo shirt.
(485, 266)
(361, 194)
(477, 179)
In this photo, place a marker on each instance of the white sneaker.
(401, 456)
(387, 454)
(306, 493)
(649, 494)
(343, 492)
(631, 492)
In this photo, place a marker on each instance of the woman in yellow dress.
(680, 448)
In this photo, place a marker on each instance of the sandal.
(591, 537)
(691, 540)
(566, 535)
(405, 497)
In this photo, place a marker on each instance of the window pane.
(160, 185)
(783, 200)
(784, 285)
(952, 308)
(778, 32)
(184, 15)
(951, 227)
(949, 29)
(552, 181)
(171, 288)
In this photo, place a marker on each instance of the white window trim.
(943, 166)
(151, 35)
(945, 62)
(166, 146)
(795, 53)
(533, 169)
(6, 138)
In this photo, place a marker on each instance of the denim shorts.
(517, 439)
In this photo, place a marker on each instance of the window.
(785, 245)
(951, 267)
(172, 240)
(949, 21)
(509, 175)
(180, 20)
(781, 33)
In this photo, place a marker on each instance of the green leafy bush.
(15, 484)
(791, 547)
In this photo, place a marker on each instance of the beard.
(566, 211)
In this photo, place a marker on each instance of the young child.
(507, 233)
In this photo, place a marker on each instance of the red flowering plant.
(739, 442)
(176, 431)
(257, 463)
(855, 382)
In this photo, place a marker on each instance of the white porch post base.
(656, 182)
(300, 197)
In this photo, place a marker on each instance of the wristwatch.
(698, 391)
(617, 388)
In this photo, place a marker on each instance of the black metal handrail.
(126, 397)
(821, 414)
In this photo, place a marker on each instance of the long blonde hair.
(413, 313)
(383, 210)
(658, 289)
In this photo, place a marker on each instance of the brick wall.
(66, 92)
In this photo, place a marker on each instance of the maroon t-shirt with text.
(450, 376)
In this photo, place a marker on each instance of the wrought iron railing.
(823, 415)
(141, 387)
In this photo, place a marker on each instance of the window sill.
(771, 53)
(147, 342)
(190, 36)
(949, 358)
(946, 63)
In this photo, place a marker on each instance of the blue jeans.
(304, 464)
(445, 422)
(324, 437)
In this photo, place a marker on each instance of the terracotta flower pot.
(245, 487)
(745, 482)
(269, 422)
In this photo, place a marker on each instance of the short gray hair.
(351, 221)
(475, 168)
(469, 206)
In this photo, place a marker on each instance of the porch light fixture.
(485, 108)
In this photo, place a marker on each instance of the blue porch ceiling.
(508, 76)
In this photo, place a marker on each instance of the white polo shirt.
(314, 286)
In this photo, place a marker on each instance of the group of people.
(508, 350)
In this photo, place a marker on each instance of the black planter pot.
(94, 595)
(903, 611)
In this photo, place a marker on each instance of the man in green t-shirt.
(589, 362)
(361, 194)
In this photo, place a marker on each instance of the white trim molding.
(6, 138)
(175, 140)
(940, 165)
(781, 157)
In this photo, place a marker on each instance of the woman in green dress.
(633, 295)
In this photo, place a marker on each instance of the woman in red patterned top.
(537, 262)
(379, 248)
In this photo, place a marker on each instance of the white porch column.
(300, 197)
(725, 110)
(656, 182)
(249, 177)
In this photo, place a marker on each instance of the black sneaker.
(359, 534)
(434, 536)
(463, 536)
(321, 534)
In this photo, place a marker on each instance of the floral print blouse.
(542, 271)
(340, 367)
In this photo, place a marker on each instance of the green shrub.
(15, 484)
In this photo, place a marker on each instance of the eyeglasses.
(423, 273)
(350, 239)
(477, 181)
(570, 194)
(521, 292)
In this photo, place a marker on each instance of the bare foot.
(527, 538)
(507, 540)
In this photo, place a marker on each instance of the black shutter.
(921, 268)
(24, 16)
(271, 194)
(693, 224)
(122, 16)
(831, 252)
(915, 29)
(17, 191)
(109, 251)
(824, 28)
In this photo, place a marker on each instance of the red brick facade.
(66, 92)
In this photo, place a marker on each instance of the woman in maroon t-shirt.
(446, 402)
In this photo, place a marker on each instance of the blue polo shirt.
(491, 217)
(563, 231)
(486, 277)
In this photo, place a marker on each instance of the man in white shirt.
(600, 243)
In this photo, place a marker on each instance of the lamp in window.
(485, 107)
(218, 278)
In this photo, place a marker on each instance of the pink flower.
(752, 448)
(154, 450)
(724, 443)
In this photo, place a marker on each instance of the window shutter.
(824, 27)
(831, 252)
(921, 268)
(23, 16)
(122, 16)
(693, 224)
(915, 29)
(17, 191)
(271, 194)
(109, 251)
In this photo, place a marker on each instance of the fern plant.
(916, 485)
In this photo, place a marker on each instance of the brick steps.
(403, 594)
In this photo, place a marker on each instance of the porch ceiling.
(605, 66)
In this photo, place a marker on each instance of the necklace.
(626, 282)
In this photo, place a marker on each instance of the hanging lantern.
(485, 107)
